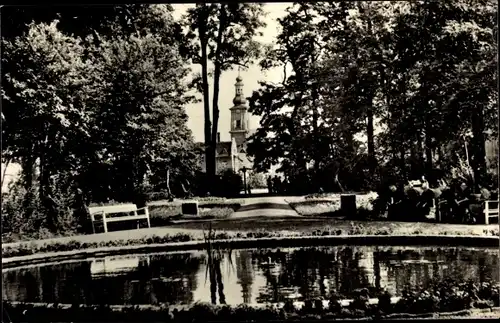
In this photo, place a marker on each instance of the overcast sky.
(251, 77)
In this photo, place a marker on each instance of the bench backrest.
(119, 208)
(491, 207)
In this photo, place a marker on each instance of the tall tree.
(223, 35)
(109, 106)
(44, 101)
(141, 117)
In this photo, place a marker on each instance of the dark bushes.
(24, 214)
(412, 304)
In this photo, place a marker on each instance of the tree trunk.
(5, 170)
(27, 173)
(169, 192)
(370, 136)
(417, 157)
(220, 285)
(337, 181)
(428, 140)
(213, 281)
(478, 150)
(400, 115)
(217, 74)
(402, 161)
(428, 150)
(202, 33)
(369, 114)
(317, 149)
(28, 169)
(44, 172)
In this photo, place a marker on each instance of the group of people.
(416, 201)
(275, 185)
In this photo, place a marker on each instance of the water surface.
(246, 276)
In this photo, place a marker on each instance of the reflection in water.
(113, 266)
(215, 259)
(246, 276)
(244, 272)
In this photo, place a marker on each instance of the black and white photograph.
(250, 161)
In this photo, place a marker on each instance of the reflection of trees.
(423, 267)
(312, 271)
(244, 274)
(172, 278)
(166, 279)
(23, 285)
(50, 283)
(215, 258)
(305, 270)
(353, 276)
(376, 270)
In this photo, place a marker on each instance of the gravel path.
(271, 207)
(274, 214)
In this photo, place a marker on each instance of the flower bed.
(448, 296)
(161, 215)
(329, 205)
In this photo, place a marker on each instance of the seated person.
(485, 193)
(385, 198)
(412, 199)
(426, 204)
(463, 192)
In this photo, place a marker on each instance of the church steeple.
(239, 118)
(239, 98)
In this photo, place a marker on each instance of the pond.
(246, 276)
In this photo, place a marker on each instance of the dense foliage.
(421, 72)
(101, 111)
(448, 296)
(94, 100)
(219, 35)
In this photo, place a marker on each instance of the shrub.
(25, 216)
(157, 196)
(384, 302)
(229, 184)
(413, 301)
(257, 180)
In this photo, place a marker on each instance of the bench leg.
(147, 217)
(105, 225)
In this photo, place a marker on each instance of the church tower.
(239, 117)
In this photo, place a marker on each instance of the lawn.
(216, 213)
(310, 225)
(163, 212)
(241, 228)
(161, 215)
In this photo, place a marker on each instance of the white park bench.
(115, 213)
(490, 210)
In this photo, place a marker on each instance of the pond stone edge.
(247, 243)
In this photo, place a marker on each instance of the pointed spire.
(239, 79)
(239, 98)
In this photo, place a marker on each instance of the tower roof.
(239, 99)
